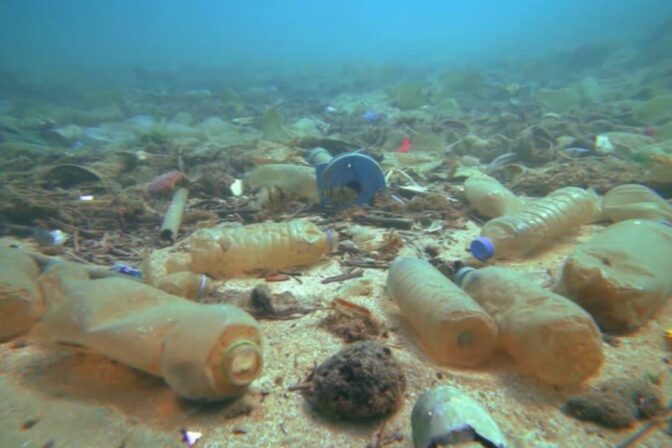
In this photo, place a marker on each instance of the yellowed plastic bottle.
(623, 275)
(633, 201)
(20, 299)
(452, 328)
(548, 335)
(225, 251)
(296, 180)
(203, 352)
(542, 220)
(490, 198)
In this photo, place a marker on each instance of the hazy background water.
(52, 38)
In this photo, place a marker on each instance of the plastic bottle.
(548, 335)
(490, 198)
(20, 299)
(296, 180)
(547, 218)
(452, 328)
(203, 352)
(632, 201)
(621, 275)
(225, 251)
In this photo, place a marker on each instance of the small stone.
(617, 403)
(607, 409)
(362, 381)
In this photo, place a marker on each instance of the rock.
(362, 381)
(617, 403)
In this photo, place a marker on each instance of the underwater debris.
(68, 175)
(621, 275)
(165, 184)
(452, 328)
(273, 127)
(351, 322)
(539, 222)
(548, 335)
(447, 416)
(362, 381)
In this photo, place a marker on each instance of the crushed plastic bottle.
(452, 328)
(225, 251)
(490, 198)
(621, 275)
(548, 335)
(543, 220)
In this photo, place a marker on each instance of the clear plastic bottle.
(548, 335)
(226, 251)
(621, 275)
(203, 352)
(452, 328)
(547, 218)
(490, 198)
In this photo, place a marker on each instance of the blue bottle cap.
(482, 248)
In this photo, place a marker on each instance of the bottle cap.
(461, 274)
(482, 248)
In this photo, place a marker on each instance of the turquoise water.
(49, 37)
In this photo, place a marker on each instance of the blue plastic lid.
(482, 248)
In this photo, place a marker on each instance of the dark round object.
(362, 381)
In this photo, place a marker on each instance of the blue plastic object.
(127, 270)
(353, 170)
(482, 248)
(372, 116)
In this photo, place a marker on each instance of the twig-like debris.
(342, 277)
(397, 223)
(648, 429)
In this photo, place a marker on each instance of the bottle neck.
(462, 274)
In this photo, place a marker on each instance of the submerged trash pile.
(131, 221)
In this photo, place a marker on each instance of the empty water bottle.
(452, 328)
(516, 234)
(225, 251)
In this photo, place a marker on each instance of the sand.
(68, 397)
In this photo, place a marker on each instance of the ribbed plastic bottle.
(545, 219)
(490, 198)
(203, 352)
(225, 251)
(548, 335)
(622, 275)
(452, 328)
